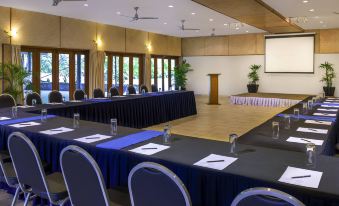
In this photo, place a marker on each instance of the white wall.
(234, 69)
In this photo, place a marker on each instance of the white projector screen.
(289, 54)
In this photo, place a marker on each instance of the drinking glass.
(159, 90)
(85, 96)
(314, 100)
(143, 91)
(63, 99)
(167, 134)
(14, 111)
(310, 154)
(233, 141)
(76, 120)
(108, 94)
(275, 130)
(309, 104)
(33, 102)
(179, 88)
(43, 115)
(287, 121)
(305, 107)
(296, 113)
(114, 126)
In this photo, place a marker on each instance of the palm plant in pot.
(180, 75)
(328, 77)
(253, 77)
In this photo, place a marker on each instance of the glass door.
(64, 83)
(45, 75)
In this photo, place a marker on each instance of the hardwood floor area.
(218, 121)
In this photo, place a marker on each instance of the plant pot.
(252, 88)
(329, 91)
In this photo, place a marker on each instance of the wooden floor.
(218, 121)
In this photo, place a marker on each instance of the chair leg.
(27, 199)
(17, 191)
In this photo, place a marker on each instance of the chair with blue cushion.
(55, 97)
(31, 96)
(79, 94)
(98, 93)
(114, 91)
(143, 87)
(131, 89)
(30, 172)
(154, 88)
(84, 180)
(265, 197)
(152, 184)
(6, 100)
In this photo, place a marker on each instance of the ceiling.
(105, 11)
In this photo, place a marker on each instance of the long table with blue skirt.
(137, 111)
(256, 166)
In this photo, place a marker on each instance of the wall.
(234, 71)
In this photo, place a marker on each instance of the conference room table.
(253, 166)
(262, 134)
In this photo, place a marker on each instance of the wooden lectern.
(214, 89)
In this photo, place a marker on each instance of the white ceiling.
(323, 12)
(105, 11)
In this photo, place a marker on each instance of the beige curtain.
(96, 71)
(16, 54)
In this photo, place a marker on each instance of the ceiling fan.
(56, 2)
(136, 16)
(183, 28)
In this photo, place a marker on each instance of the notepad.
(55, 103)
(327, 110)
(25, 106)
(25, 124)
(75, 101)
(217, 162)
(57, 131)
(312, 130)
(324, 114)
(150, 149)
(4, 118)
(93, 138)
(318, 122)
(305, 140)
(330, 106)
(312, 181)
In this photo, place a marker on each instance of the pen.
(215, 161)
(150, 148)
(296, 177)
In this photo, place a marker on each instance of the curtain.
(96, 71)
(16, 54)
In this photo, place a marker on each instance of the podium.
(214, 89)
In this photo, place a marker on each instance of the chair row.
(81, 181)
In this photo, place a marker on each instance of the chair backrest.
(6, 100)
(55, 97)
(143, 87)
(31, 96)
(152, 184)
(27, 164)
(79, 94)
(83, 177)
(265, 197)
(131, 89)
(114, 91)
(154, 88)
(98, 93)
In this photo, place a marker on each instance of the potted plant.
(180, 74)
(328, 78)
(253, 76)
(14, 77)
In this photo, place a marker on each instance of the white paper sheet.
(318, 122)
(305, 140)
(216, 165)
(25, 124)
(57, 131)
(327, 110)
(329, 106)
(312, 130)
(312, 182)
(75, 101)
(55, 103)
(93, 138)
(118, 96)
(324, 114)
(101, 98)
(150, 149)
(332, 98)
(25, 106)
(4, 118)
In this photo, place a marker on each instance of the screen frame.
(291, 36)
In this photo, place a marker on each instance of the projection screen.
(292, 53)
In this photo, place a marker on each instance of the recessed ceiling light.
(193, 13)
(165, 23)
(321, 22)
(311, 10)
(211, 19)
(86, 5)
(118, 12)
(225, 24)
(170, 6)
(237, 28)
(305, 1)
(246, 31)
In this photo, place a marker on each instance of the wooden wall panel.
(159, 43)
(4, 25)
(329, 41)
(36, 29)
(242, 44)
(77, 34)
(193, 46)
(113, 38)
(136, 41)
(260, 44)
(174, 46)
(216, 46)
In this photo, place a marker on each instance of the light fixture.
(11, 33)
(165, 23)
(321, 22)
(97, 42)
(237, 28)
(193, 13)
(311, 10)
(118, 12)
(305, 1)
(170, 6)
(211, 19)
(247, 31)
(86, 5)
(149, 46)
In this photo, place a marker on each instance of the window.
(27, 63)
(115, 72)
(152, 71)
(165, 78)
(64, 86)
(80, 71)
(125, 74)
(45, 75)
(173, 64)
(136, 76)
(106, 73)
(159, 76)
(162, 72)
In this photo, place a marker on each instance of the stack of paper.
(318, 122)
(93, 138)
(150, 149)
(57, 131)
(305, 140)
(25, 124)
(217, 162)
(4, 118)
(312, 130)
(301, 177)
